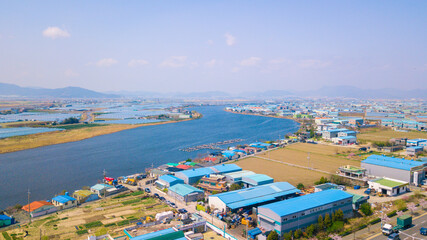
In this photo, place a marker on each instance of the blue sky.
(231, 46)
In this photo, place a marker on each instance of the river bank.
(301, 122)
(19, 143)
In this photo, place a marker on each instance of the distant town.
(352, 169)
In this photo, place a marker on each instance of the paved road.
(408, 234)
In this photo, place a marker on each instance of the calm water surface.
(69, 166)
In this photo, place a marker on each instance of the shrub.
(337, 226)
(376, 220)
(93, 224)
(80, 232)
(300, 186)
(392, 214)
(122, 223)
(366, 209)
(131, 201)
(110, 225)
(6, 236)
(137, 193)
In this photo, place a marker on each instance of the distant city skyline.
(193, 46)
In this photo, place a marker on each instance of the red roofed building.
(39, 208)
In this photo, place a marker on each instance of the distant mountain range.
(11, 90)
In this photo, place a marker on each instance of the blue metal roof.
(196, 172)
(170, 179)
(418, 148)
(63, 198)
(339, 130)
(184, 189)
(226, 168)
(347, 137)
(250, 196)
(5, 217)
(306, 202)
(258, 178)
(156, 234)
(399, 163)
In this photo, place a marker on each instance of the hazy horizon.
(224, 46)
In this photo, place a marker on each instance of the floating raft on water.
(213, 146)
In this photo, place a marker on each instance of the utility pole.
(308, 158)
(29, 206)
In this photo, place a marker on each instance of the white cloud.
(105, 62)
(55, 32)
(252, 61)
(210, 42)
(230, 39)
(211, 63)
(71, 73)
(137, 62)
(314, 64)
(174, 62)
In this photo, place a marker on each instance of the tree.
(339, 215)
(288, 236)
(300, 186)
(423, 203)
(412, 207)
(327, 221)
(70, 120)
(310, 230)
(235, 186)
(297, 233)
(320, 223)
(273, 236)
(366, 209)
(335, 237)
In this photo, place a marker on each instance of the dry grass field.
(18, 143)
(281, 172)
(381, 134)
(322, 157)
(113, 215)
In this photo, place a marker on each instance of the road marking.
(374, 236)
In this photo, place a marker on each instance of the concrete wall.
(381, 171)
(216, 203)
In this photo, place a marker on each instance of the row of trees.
(333, 223)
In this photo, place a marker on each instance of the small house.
(100, 189)
(83, 196)
(6, 220)
(62, 202)
(39, 208)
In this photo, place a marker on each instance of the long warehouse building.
(300, 212)
(252, 197)
(410, 171)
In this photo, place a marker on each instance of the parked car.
(147, 190)
(363, 149)
(156, 195)
(162, 198)
(173, 205)
(423, 231)
(182, 210)
(393, 236)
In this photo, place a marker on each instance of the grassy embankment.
(322, 157)
(75, 132)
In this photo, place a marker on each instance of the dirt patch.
(94, 218)
(121, 213)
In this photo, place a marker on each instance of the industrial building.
(169, 233)
(333, 133)
(414, 151)
(256, 180)
(300, 212)
(236, 177)
(252, 197)
(193, 175)
(185, 193)
(167, 181)
(388, 186)
(413, 172)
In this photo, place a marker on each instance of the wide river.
(48, 170)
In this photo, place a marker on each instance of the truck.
(402, 222)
